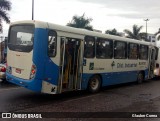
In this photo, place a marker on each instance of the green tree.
(135, 33)
(5, 6)
(143, 36)
(113, 32)
(81, 22)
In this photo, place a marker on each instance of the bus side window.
(120, 50)
(143, 52)
(52, 41)
(133, 51)
(104, 48)
(89, 47)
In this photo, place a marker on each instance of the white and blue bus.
(51, 59)
(157, 44)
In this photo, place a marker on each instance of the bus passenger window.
(89, 47)
(132, 51)
(104, 48)
(52, 43)
(143, 52)
(120, 50)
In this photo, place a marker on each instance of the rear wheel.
(140, 77)
(94, 84)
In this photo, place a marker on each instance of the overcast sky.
(106, 14)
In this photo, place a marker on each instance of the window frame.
(130, 51)
(50, 30)
(140, 52)
(94, 49)
(20, 48)
(106, 39)
(126, 46)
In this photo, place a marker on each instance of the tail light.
(33, 71)
(3, 69)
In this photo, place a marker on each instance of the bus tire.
(140, 77)
(94, 84)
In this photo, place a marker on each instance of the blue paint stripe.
(113, 78)
(34, 85)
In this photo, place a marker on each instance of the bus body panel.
(46, 70)
(34, 85)
(113, 78)
(114, 71)
(20, 63)
(39, 54)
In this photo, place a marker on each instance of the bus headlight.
(156, 71)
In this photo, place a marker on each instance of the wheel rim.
(94, 84)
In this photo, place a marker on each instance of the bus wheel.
(94, 84)
(140, 78)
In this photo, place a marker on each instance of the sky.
(106, 14)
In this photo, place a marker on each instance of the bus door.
(70, 61)
(152, 54)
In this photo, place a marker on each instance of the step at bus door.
(152, 54)
(70, 61)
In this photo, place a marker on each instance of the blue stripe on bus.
(34, 85)
(113, 78)
(46, 69)
(39, 52)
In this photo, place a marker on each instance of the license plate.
(18, 70)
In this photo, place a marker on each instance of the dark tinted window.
(157, 50)
(52, 43)
(143, 52)
(120, 50)
(21, 38)
(104, 48)
(89, 47)
(132, 51)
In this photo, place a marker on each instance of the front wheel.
(94, 84)
(140, 78)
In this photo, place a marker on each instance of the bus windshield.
(21, 38)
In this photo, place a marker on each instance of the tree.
(135, 33)
(143, 36)
(81, 22)
(5, 6)
(113, 32)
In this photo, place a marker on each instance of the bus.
(157, 68)
(50, 58)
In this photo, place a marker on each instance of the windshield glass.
(21, 38)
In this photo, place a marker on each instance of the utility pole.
(32, 9)
(146, 26)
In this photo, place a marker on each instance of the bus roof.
(78, 31)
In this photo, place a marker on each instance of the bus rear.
(26, 59)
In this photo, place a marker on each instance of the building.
(151, 37)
